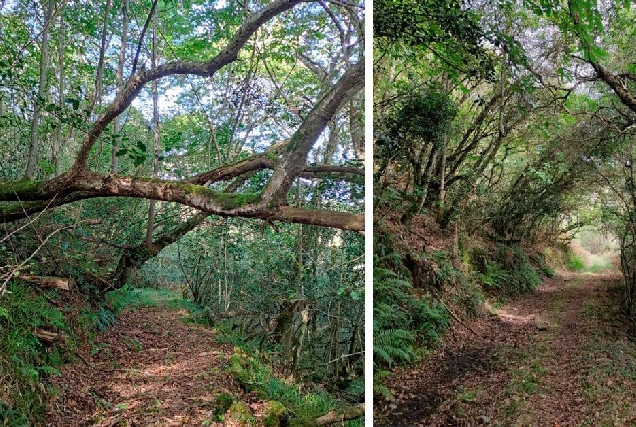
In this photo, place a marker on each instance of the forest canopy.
(265, 84)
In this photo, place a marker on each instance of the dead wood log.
(333, 417)
(47, 337)
(50, 281)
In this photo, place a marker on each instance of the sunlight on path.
(553, 357)
(149, 369)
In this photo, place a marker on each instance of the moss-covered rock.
(237, 369)
(275, 414)
(239, 414)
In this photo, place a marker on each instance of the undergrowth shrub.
(445, 271)
(24, 360)
(402, 320)
(255, 376)
(524, 277)
(494, 276)
(574, 262)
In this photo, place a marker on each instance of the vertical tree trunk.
(356, 127)
(120, 81)
(299, 248)
(226, 291)
(155, 119)
(100, 62)
(57, 144)
(32, 161)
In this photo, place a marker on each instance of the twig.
(30, 222)
(3, 287)
(344, 356)
(459, 320)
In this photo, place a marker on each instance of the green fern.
(392, 345)
(379, 388)
(494, 276)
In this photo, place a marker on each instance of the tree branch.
(200, 68)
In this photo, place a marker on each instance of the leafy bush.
(574, 262)
(523, 275)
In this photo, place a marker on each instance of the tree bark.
(57, 145)
(119, 79)
(333, 417)
(155, 121)
(32, 161)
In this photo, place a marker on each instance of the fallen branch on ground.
(333, 417)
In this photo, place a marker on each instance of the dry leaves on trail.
(555, 356)
(148, 369)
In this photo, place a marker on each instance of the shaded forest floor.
(149, 369)
(560, 356)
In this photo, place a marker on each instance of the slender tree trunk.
(299, 247)
(57, 145)
(32, 161)
(356, 126)
(100, 62)
(155, 119)
(120, 82)
(226, 291)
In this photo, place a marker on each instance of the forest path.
(148, 369)
(555, 357)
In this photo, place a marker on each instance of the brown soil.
(557, 357)
(150, 369)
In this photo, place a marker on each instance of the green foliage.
(494, 276)
(130, 297)
(445, 271)
(392, 346)
(574, 262)
(275, 414)
(254, 376)
(379, 375)
(524, 277)
(541, 262)
(418, 118)
(221, 404)
(24, 360)
(238, 267)
(444, 26)
(240, 413)
(401, 319)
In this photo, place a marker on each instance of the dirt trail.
(149, 369)
(556, 357)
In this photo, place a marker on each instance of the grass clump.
(130, 297)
